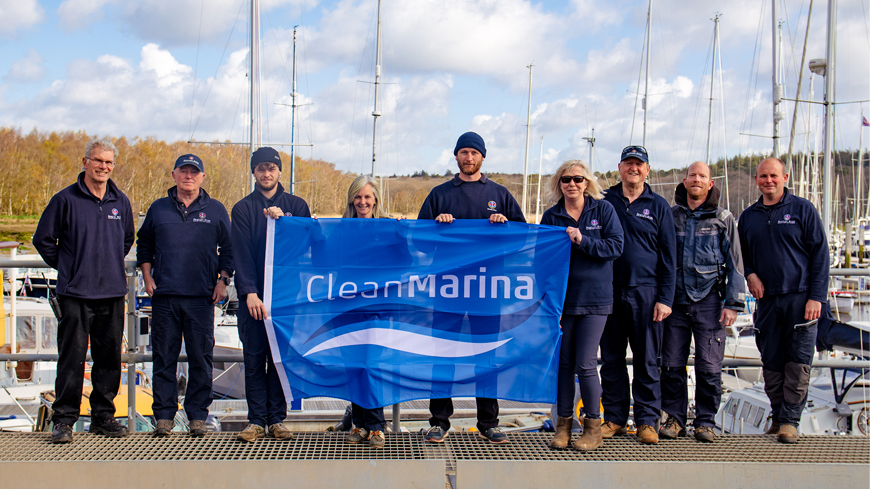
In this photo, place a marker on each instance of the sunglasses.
(578, 179)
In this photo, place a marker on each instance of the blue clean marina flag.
(381, 311)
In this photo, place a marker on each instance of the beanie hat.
(470, 140)
(265, 155)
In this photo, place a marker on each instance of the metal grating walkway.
(28, 447)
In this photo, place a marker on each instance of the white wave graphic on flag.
(408, 342)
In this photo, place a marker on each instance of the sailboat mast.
(540, 180)
(712, 85)
(830, 97)
(293, 123)
(777, 86)
(646, 83)
(254, 76)
(528, 130)
(376, 113)
(860, 206)
(591, 141)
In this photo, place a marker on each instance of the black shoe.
(62, 433)
(494, 435)
(109, 428)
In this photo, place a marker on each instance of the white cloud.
(19, 15)
(29, 69)
(79, 14)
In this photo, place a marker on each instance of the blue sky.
(160, 68)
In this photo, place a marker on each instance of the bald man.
(786, 261)
(707, 299)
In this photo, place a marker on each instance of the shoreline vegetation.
(39, 164)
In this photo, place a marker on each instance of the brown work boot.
(280, 432)
(788, 433)
(164, 427)
(647, 435)
(672, 430)
(563, 433)
(774, 428)
(591, 438)
(251, 433)
(609, 430)
(197, 428)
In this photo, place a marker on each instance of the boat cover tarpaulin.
(381, 311)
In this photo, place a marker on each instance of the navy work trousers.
(701, 320)
(786, 353)
(631, 323)
(442, 409)
(101, 320)
(266, 402)
(175, 318)
(370, 419)
(578, 354)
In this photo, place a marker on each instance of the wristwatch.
(225, 280)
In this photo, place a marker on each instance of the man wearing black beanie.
(267, 406)
(470, 195)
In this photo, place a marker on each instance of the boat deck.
(460, 458)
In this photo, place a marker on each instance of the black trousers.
(101, 321)
(442, 409)
(190, 318)
(266, 402)
(370, 419)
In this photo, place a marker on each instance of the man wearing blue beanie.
(470, 195)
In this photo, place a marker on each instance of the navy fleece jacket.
(186, 247)
(471, 200)
(649, 255)
(785, 245)
(249, 236)
(590, 279)
(86, 240)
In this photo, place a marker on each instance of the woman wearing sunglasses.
(596, 236)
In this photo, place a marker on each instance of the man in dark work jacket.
(267, 406)
(470, 195)
(644, 278)
(85, 233)
(186, 259)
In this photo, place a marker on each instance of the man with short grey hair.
(85, 232)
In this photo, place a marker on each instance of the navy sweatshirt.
(785, 245)
(182, 244)
(471, 200)
(86, 240)
(590, 279)
(249, 236)
(649, 255)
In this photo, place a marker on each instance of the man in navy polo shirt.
(643, 293)
(786, 262)
(267, 406)
(470, 195)
(85, 232)
(186, 258)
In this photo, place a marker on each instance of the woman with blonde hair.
(364, 199)
(596, 236)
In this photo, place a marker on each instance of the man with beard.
(643, 292)
(786, 261)
(267, 406)
(470, 195)
(709, 268)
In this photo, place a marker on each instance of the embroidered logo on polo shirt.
(202, 218)
(114, 215)
(786, 219)
(491, 205)
(645, 215)
(287, 214)
(594, 225)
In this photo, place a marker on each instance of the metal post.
(13, 313)
(777, 87)
(376, 113)
(830, 97)
(540, 181)
(397, 415)
(526, 155)
(293, 124)
(646, 84)
(712, 85)
(254, 79)
(132, 347)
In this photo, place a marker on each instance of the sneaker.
(494, 435)
(357, 435)
(164, 427)
(705, 434)
(376, 439)
(62, 433)
(647, 435)
(108, 427)
(609, 430)
(196, 428)
(435, 434)
(251, 433)
(672, 430)
(788, 433)
(280, 432)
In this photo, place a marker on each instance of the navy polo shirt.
(471, 200)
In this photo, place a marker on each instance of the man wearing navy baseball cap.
(186, 258)
(644, 278)
(267, 406)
